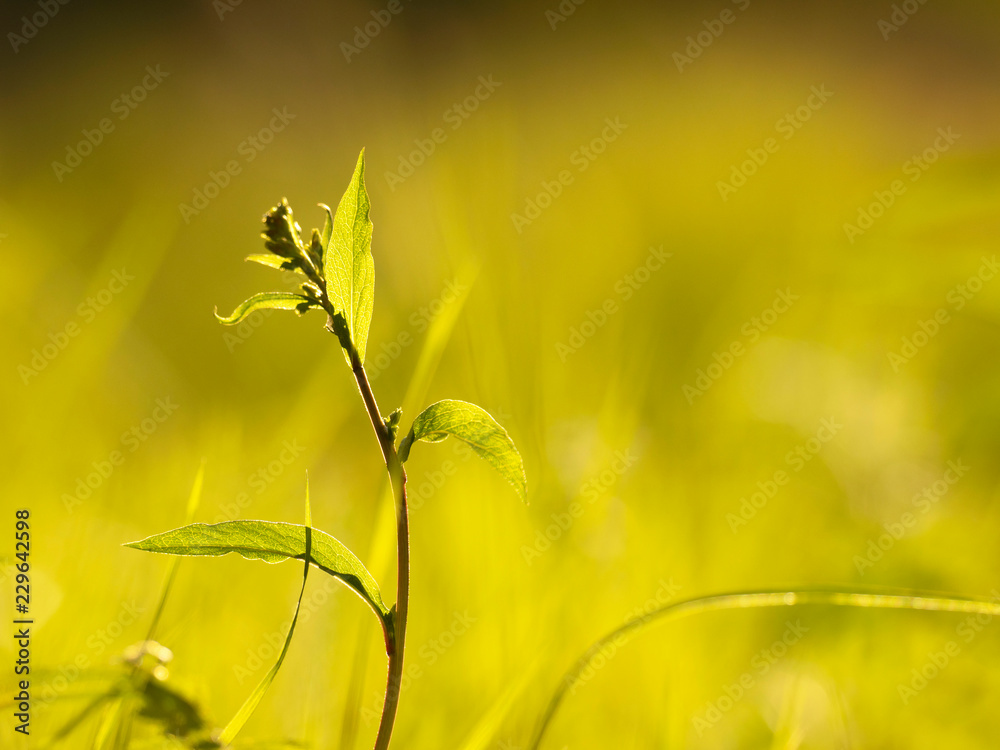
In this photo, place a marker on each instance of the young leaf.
(476, 427)
(348, 265)
(273, 261)
(327, 226)
(272, 300)
(272, 543)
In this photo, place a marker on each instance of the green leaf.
(272, 543)
(476, 427)
(327, 226)
(273, 261)
(265, 300)
(246, 710)
(348, 265)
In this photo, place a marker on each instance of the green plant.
(338, 277)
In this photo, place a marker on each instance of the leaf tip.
(309, 522)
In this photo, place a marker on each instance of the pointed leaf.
(265, 300)
(347, 261)
(476, 427)
(327, 226)
(272, 543)
(273, 261)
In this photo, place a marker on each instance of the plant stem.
(397, 478)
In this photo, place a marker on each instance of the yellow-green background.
(665, 518)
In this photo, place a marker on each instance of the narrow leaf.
(267, 300)
(272, 261)
(476, 427)
(272, 543)
(327, 226)
(309, 513)
(348, 265)
(246, 710)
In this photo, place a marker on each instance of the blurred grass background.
(663, 520)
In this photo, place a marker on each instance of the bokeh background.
(473, 303)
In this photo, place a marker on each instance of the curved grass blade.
(273, 543)
(267, 300)
(348, 266)
(476, 427)
(919, 600)
(249, 706)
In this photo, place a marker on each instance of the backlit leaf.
(272, 543)
(267, 300)
(273, 261)
(476, 427)
(348, 266)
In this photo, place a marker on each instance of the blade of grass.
(194, 499)
(884, 599)
(249, 706)
(109, 722)
(485, 730)
(66, 729)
